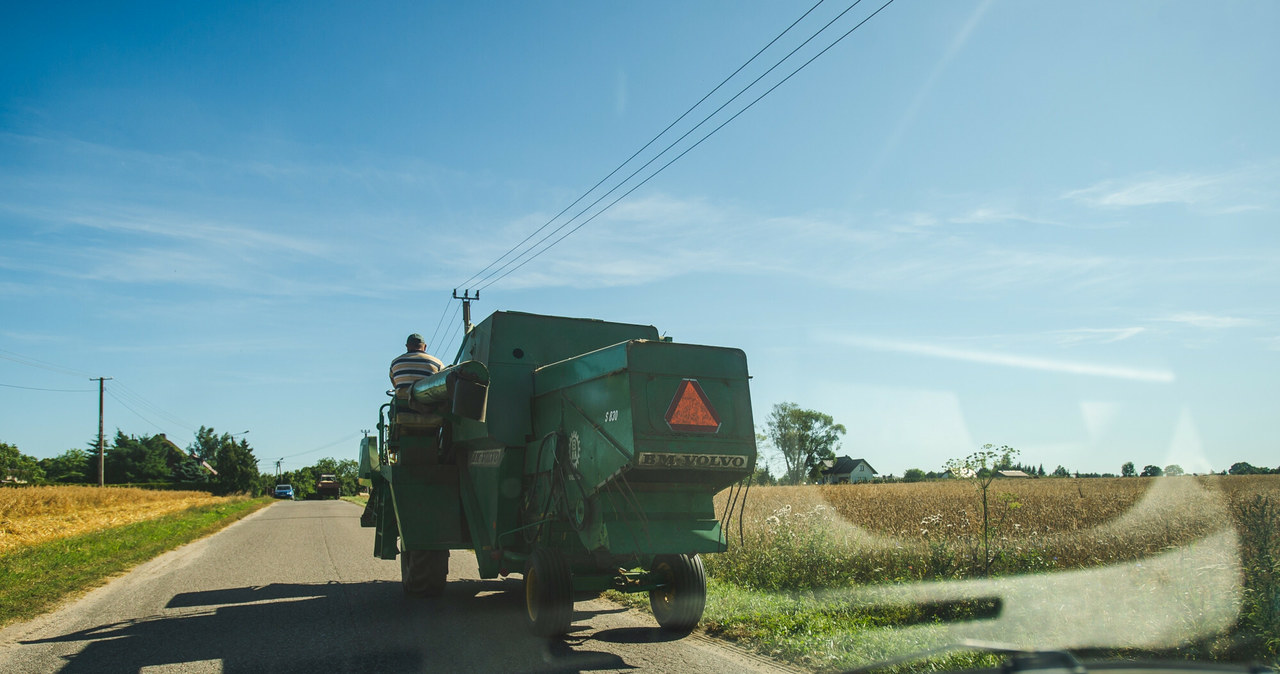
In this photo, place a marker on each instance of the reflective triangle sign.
(691, 411)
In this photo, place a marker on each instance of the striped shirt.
(411, 367)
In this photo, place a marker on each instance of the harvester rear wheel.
(423, 573)
(678, 606)
(548, 593)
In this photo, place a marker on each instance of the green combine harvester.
(583, 453)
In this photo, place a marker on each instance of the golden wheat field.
(38, 514)
(865, 532)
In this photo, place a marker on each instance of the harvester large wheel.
(548, 593)
(678, 606)
(423, 573)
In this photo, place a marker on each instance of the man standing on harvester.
(415, 364)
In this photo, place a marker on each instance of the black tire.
(423, 573)
(678, 606)
(548, 593)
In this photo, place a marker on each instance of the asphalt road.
(295, 587)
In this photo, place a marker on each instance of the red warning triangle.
(691, 411)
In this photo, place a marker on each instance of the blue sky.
(1051, 226)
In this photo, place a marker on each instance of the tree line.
(151, 460)
(807, 440)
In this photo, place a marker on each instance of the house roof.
(844, 465)
(1012, 473)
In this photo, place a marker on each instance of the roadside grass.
(35, 578)
(817, 633)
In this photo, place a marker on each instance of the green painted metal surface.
(600, 439)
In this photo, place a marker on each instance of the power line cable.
(486, 282)
(56, 390)
(317, 449)
(438, 324)
(136, 412)
(659, 155)
(645, 146)
(138, 399)
(449, 346)
(43, 365)
(620, 166)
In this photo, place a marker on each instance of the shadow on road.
(337, 627)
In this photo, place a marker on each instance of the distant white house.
(845, 470)
(1012, 473)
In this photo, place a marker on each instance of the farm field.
(33, 515)
(873, 533)
(839, 576)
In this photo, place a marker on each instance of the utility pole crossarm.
(466, 298)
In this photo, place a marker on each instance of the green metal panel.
(512, 345)
(425, 495)
(492, 479)
(369, 462)
(640, 485)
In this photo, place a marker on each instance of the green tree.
(913, 475)
(1127, 470)
(137, 459)
(237, 468)
(72, 465)
(188, 470)
(304, 484)
(805, 438)
(15, 464)
(1061, 471)
(207, 443)
(1243, 468)
(346, 470)
(762, 476)
(1151, 471)
(1174, 469)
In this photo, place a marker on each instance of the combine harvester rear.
(584, 453)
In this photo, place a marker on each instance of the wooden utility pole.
(467, 299)
(102, 452)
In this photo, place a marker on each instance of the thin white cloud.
(996, 215)
(1005, 359)
(1184, 189)
(1209, 321)
(1226, 192)
(1095, 335)
(172, 225)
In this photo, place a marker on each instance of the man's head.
(414, 343)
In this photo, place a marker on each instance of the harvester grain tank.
(584, 453)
